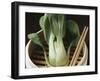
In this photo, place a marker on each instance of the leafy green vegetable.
(55, 28)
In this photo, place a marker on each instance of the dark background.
(32, 24)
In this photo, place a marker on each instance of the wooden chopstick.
(79, 47)
(74, 55)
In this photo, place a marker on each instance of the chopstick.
(79, 47)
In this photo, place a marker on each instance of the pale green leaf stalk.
(52, 51)
(62, 57)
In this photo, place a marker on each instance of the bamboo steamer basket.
(35, 58)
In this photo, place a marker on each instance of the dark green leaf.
(72, 27)
(72, 31)
(35, 38)
(45, 25)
